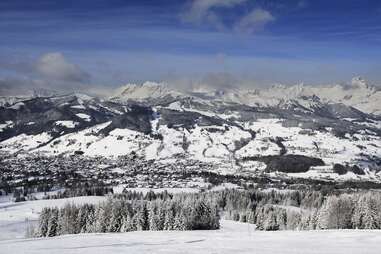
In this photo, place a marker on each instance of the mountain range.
(358, 94)
(330, 132)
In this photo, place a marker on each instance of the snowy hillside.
(233, 237)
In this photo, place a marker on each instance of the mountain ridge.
(304, 136)
(358, 94)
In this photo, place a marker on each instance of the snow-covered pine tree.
(201, 217)
(66, 220)
(160, 215)
(89, 226)
(333, 212)
(314, 220)
(116, 217)
(270, 223)
(215, 216)
(136, 222)
(293, 220)
(53, 223)
(82, 218)
(345, 211)
(179, 222)
(169, 217)
(100, 224)
(44, 222)
(260, 218)
(141, 217)
(127, 224)
(61, 217)
(281, 218)
(323, 217)
(370, 213)
(153, 218)
(73, 217)
(358, 213)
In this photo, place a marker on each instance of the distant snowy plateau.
(331, 132)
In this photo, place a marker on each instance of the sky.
(76, 44)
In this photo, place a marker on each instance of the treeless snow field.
(233, 237)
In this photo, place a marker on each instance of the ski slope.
(233, 237)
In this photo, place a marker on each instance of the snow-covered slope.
(233, 237)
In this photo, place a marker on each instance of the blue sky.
(111, 42)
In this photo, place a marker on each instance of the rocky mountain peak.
(146, 90)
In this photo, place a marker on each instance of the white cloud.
(55, 66)
(202, 11)
(254, 21)
(51, 71)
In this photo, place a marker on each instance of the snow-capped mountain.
(280, 130)
(148, 91)
(358, 94)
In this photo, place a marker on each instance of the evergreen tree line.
(304, 210)
(269, 210)
(182, 212)
(150, 195)
(240, 205)
(24, 193)
(82, 191)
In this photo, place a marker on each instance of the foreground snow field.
(233, 237)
